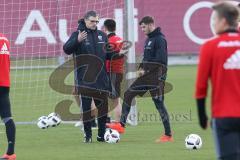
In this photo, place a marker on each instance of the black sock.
(10, 131)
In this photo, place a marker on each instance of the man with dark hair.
(5, 106)
(220, 63)
(87, 46)
(115, 65)
(152, 75)
(110, 26)
(147, 20)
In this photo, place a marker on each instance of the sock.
(10, 131)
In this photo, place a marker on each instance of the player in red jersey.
(220, 63)
(115, 65)
(5, 107)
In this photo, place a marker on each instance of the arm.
(201, 110)
(203, 74)
(71, 45)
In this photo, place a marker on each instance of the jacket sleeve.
(72, 43)
(107, 48)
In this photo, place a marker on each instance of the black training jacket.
(89, 51)
(155, 48)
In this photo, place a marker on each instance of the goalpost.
(130, 36)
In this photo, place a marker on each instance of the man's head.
(225, 17)
(147, 24)
(109, 25)
(91, 19)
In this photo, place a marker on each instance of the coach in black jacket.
(87, 46)
(152, 75)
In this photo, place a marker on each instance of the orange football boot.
(9, 157)
(164, 138)
(116, 126)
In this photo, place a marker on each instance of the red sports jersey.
(116, 65)
(220, 62)
(4, 61)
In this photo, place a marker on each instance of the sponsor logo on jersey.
(233, 62)
(100, 37)
(235, 43)
(149, 43)
(4, 49)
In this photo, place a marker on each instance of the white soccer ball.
(111, 136)
(54, 119)
(43, 122)
(193, 141)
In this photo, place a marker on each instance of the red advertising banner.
(38, 28)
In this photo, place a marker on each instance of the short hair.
(110, 25)
(228, 11)
(147, 20)
(90, 14)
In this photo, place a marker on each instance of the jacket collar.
(154, 33)
(230, 31)
(111, 34)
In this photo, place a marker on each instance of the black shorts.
(227, 138)
(5, 106)
(116, 79)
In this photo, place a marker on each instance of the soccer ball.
(193, 141)
(43, 122)
(54, 119)
(111, 136)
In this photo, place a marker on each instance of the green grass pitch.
(34, 98)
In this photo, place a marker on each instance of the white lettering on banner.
(62, 27)
(187, 18)
(119, 21)
(44, 32)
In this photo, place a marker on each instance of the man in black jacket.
(152, 75)
(87, 46)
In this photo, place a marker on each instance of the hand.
(82, 36)
(123, 52)
(203, 121)
(140, 72)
